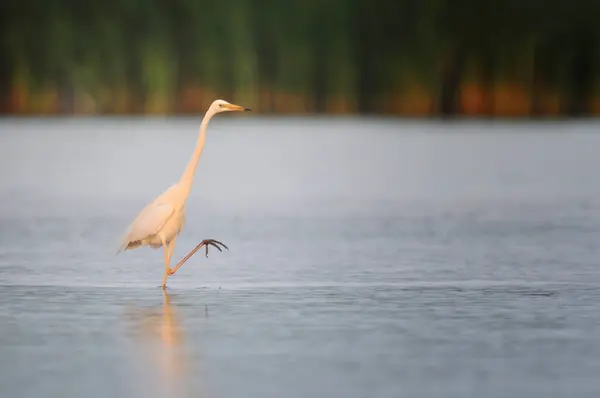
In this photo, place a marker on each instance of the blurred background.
(443, 252)
(402, 57)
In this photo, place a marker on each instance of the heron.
(160, 222)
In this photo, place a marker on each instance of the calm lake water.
(368, 258)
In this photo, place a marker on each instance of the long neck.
(187, 178)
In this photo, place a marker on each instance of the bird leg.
(167, 269)
(206, 243)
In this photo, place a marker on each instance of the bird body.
(160, 222)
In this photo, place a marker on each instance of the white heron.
(161, 221)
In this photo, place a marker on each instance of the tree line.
(399, 57)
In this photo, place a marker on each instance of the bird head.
(224, 106)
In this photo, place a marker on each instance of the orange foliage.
(19, 99)
(191, 99)
(595, 107)
(290, 103)
(510, 99)
(471, 99)
(549, 103)
(503, 99)
(414, 101)
(340, 105)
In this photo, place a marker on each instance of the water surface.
(369, 258)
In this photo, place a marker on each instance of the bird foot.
(212, 242)
(206, 243)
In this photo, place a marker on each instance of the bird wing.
(148, 222)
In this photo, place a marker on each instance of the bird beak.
(237, 108)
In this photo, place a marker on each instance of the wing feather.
(147, 223)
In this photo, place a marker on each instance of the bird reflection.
(171, 356)
(160, 335)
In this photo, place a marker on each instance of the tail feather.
(128, 246)
(124, 243)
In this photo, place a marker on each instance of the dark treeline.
(406, 57)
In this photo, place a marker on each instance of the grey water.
(368, 258)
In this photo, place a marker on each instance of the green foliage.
(298, 55)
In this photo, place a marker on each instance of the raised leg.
(205, 243)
